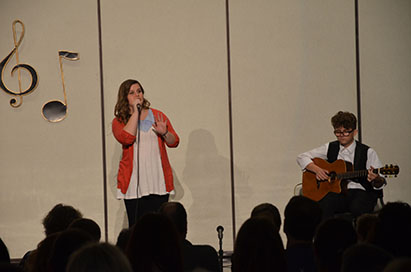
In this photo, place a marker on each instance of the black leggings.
(136, 208)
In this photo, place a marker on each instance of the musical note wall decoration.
(56, 110)
(5, 61)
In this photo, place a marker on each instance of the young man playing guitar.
(358, 195)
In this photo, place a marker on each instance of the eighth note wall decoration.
(56, 110)
(34, 78)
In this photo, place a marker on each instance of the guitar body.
(316, 190)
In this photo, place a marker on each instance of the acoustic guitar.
(339, 172)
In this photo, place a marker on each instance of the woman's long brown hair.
(122, 109)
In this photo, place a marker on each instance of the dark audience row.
(379, 242)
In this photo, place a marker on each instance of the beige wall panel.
(385, 40)
(177, 50)
(293, 67)
(41, 163)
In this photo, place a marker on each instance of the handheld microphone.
(139, 107)
(220, 230)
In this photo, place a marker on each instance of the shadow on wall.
(178, 188)
(207, 176)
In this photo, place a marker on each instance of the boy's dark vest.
(360, 162)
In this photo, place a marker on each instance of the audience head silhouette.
(38, 260)
(333, 236)
(59, 218)
(101, 257)
(365, 257)
(176, 212)
(269, 211)
(393, 229)
(402, 264)
(258, 247)
(87, 225)
(66, 243)
(4, 253)
(195, 257)
(365, 227)
(122, 239)
(153, 245)
(301, 218)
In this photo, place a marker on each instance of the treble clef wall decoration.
(33, 73)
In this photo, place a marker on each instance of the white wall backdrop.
(386, 65)
(293, 68)
(45, 163)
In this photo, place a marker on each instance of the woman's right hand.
(133, 105)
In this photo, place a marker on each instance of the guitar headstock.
(390, 170)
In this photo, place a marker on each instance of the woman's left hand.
(160, 125)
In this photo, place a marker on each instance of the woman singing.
(153, 177)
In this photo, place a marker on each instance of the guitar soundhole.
(333, 176)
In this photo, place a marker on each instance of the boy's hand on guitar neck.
(320, 173)
(377, 181)
(371, 175)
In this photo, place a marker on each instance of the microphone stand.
(220, 230)
(138, 160)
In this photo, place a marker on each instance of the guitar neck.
(355, 174)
